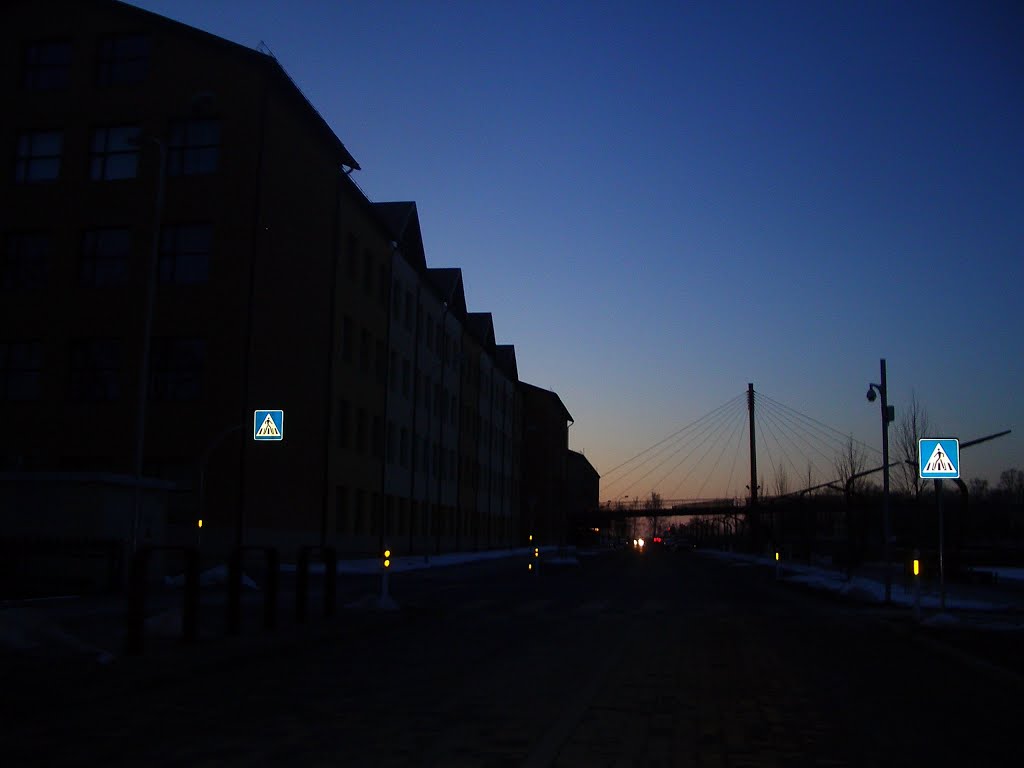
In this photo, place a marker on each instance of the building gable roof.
(447, 281)
(547, 394)
(506, 355)
(266, 61)
(481, 324)
(583, 462)
(402, 219)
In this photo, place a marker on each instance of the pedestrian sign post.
(938, 458)
(268, 425)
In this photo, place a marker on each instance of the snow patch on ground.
(213, 577)
(859, 587)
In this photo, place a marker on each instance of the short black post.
(134, 634)
(270, 593)
(234, 617)
(330, 558)
(190, 611)
(301, 585)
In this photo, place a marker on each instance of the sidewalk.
(983, 606)
(91, 629)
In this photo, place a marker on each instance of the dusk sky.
(660, 202)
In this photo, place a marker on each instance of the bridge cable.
(703, 433)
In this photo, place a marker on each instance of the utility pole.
(753, 448)
(887, 416)
(755, 518)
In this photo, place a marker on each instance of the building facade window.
(377, 437)
(381, 361)
(176, 369)
(47, 66)
(38, 156)
(193, 147)
(26, 261)
(367, 272)
(21, 365)
(114, 153)
(96, 370)
(383, 281)
(361, 430)
(185, 253)
(346, 338)
(344, 422)
(123, 60)
(342, 521)
(364, 350)
(105, 254)
(350, 258)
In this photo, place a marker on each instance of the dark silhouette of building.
(183, 245)
(583, 483)
(544, 500)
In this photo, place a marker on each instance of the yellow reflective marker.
(917, 567)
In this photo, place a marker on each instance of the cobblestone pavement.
(662, 659)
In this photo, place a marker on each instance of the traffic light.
(387, 558)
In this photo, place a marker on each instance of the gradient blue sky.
(660, 202)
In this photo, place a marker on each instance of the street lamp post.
(887, 416)
(147, 329)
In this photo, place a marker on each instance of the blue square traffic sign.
(938, 458)
(268, 425)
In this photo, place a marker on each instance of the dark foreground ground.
(660, 659)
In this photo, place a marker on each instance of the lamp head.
(871, 394)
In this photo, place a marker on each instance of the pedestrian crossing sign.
(268, 425)
(939, 458)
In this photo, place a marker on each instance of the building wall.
(360, 392)
(468, 528)
(267, 197)
(583, 484)
(545, 444)
(294, 298)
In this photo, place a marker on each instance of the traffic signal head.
(387, 558)
(200, 524)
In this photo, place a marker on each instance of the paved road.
(661, 659)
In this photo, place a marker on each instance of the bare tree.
(781, 484)
(1011, 483)
(913, 425)
(978, 488)
(849, 462)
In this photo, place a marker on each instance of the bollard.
(234, 606)
(301, 585)
(330, 558)
(190, 611)
(234, 617)
(136, 614)
(917, 585)
(270, 597)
